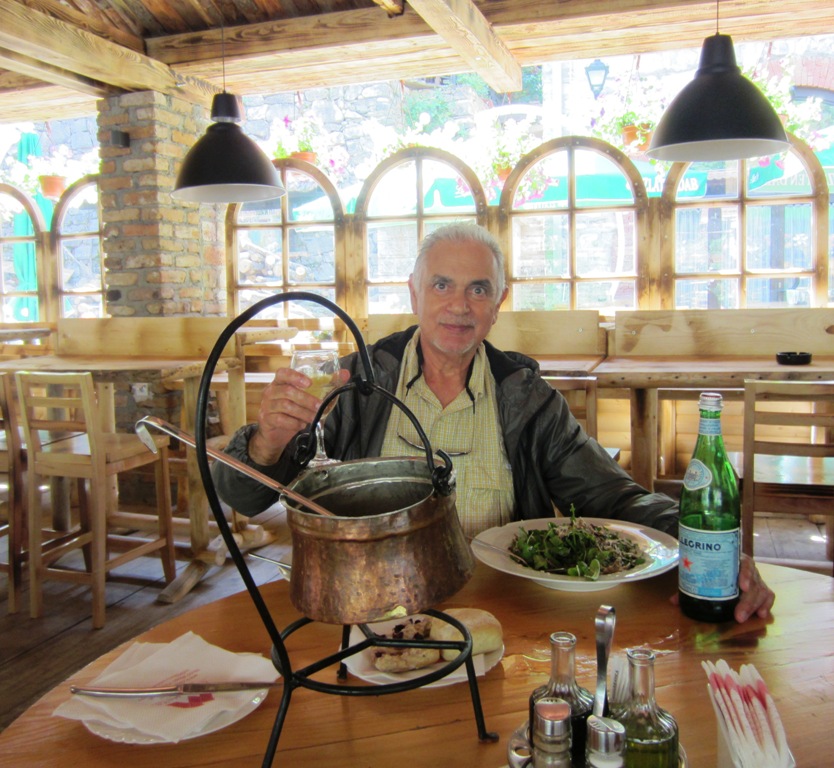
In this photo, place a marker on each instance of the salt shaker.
(551, 734)
(605, 743)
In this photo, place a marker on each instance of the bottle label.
(709, 427)
(708, 565)
(698, 475)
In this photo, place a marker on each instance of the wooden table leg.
(198, 512)
(644, 436)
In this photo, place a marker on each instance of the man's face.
(457, 299)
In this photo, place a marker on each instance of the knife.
(172, 690)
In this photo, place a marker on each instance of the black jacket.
(553, 461)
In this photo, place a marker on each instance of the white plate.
(132, 736)
(660, 550)
(362, 666)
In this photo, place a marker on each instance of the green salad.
(579, 548)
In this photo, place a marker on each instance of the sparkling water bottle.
(710, 521)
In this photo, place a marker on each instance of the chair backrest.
(739, 332)
(787, 419)
(574, 332)
(581, 394)
(57, 405)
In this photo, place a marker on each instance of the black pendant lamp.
(720, 115)
(225, 165)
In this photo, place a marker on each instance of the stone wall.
(164, 257)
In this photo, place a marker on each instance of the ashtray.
(793, 358)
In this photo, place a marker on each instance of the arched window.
(748, 233)
(76, 228)
(408, 195)
(22, 234)
(573, 214)
(292, 243)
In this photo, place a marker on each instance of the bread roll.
(486, 631)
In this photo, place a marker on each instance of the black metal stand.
(300, 678)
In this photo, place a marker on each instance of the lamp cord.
(716, 16)
(223, 52)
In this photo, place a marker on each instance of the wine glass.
(321, 366)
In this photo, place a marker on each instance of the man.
(516, 448)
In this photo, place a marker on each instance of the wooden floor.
(37, 654)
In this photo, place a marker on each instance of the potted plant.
(627, 121)
(301, 138)
(50, 174)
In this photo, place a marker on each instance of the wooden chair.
(13, 522)
(788, 452)
(66, 403)
(581, 394)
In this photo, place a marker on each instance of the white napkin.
(750, 731)
(187, 659)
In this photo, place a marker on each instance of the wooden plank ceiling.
(58, 56)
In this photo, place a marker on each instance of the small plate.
(129, 735)
(660, 550)
(362, 666)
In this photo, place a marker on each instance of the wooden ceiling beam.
(56, 52)
(391, 7)
(464, 28)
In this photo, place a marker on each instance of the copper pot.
(394, 547)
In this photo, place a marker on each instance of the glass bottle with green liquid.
(651, 733)
(710, 523)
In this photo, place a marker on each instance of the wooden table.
(435, 727)
(644, 376)
(10, 334)
(568, 365)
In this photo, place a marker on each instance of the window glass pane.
(312, 255)
(606, 294)
(260, 212)
(779, 237)
(429, 225)
(599, 181)
(540, 246)
(707, 294)
(706, 240)
(287, 309)
(310, 308)
(249, 297)
(14, 221)
(392, 248)
(82, 306)
(831, 248)
(779, 291)
(388, 299)
(780, 175)
(541, 296)
(396, 192)
(306, 200)
(81, 213)
(259, 256)
(545, 185)
(722, 180)
(80, 264)
(445, 189)
(606, 243)
(19, 277)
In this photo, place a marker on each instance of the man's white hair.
(459, 232)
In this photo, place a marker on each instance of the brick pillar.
(163, 257)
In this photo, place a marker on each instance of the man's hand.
(285, 410)
(756, 597)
